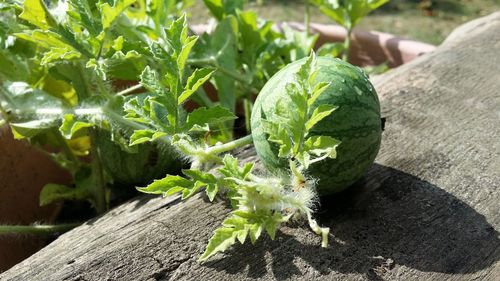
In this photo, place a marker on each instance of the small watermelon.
(356, 122)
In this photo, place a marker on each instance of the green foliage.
(347, 13)
(290, 130)
(62, 70)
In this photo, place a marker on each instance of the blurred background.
(428, 21)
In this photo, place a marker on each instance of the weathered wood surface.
(427, 210)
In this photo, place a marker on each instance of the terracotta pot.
(24, 170)
(369, 47)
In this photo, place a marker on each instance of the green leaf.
(184, 53)
(198, 78)
(317, 91)
(32, 128)
(211, 191)
(71, 126)
(56, 192)
(301, 42)
(333, 9)
(163, 186)
(200, 176)
(45, 39)
(322, 111)
(118, 43)
(142, 136)
(223, 47)
(56, 54)
(255, 232)
(222, 8)
(279, 135)
(231, 169)
(110, 13)
(331, 49)
(323, 146)
(35, 12)
(214, 115)
(224, 237)
(149, 79)
(85, 16)
(348, 13)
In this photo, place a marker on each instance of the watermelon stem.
(218, 149)
(323, 231)
(36, 229)
(129, 91)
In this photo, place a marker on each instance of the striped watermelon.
(356, 122)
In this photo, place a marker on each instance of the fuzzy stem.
(98, 174)
(85, 82)
(218, 149)
(323, 231)
(129, 91)
(67, 151)
(36, 229)
(247, 106)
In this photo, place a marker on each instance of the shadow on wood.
(405, 221)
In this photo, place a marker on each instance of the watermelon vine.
(118, 81)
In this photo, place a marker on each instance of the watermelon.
(356, 123)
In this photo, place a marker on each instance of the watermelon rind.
(356, 122)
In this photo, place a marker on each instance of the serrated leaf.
(163, 186)
(56, 192)
(32, 128)
(321, 112)
(221, 8)
(177, 33)
(198, 78)
(322, 146)
(224, 45)
(242, 234)
(60, 89)
(317, 91)
(203, 115)
(232, 169)
(46, 39)
(222, 239)
(110, 13)
(55, 54)
(331, 49)
(71, 126)
(85, 16)
(347, 13)
(279, 135)
(305, 71)
(255, 231)
(184, 53)
(233, 228)
(149, 79)
(211, 191)
(142, 136)
(200, 176)
(188, 192)
(35, 12)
